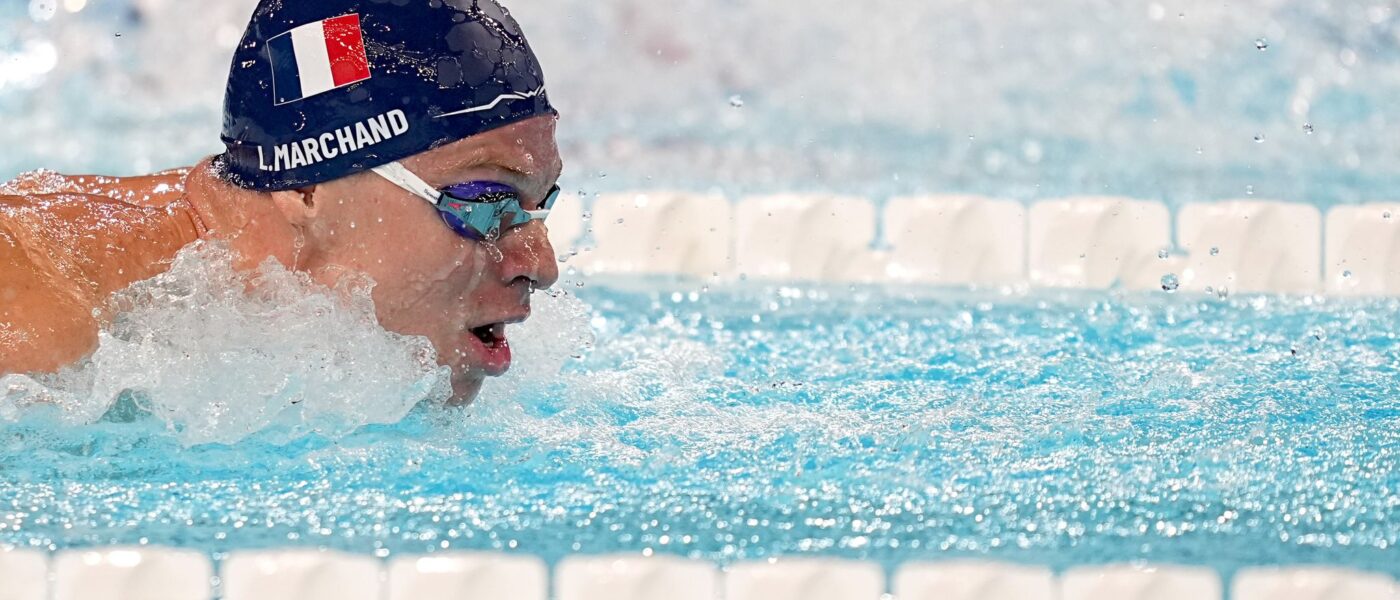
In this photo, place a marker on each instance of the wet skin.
(67, 243)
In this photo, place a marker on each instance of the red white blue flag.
(317, 57)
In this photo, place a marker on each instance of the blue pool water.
(750, 421)
(754, 421)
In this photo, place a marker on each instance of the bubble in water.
(736, 101)
(1163, 254)
(1215, 251)
(1386, 215)
(1170, 283)
(1261, 44)
(1346, 274)
(1259, 138)
(42, 10)
(1249, 190)
(1308, 128)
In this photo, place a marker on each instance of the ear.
(299, 206)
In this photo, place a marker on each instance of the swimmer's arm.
(60, 258)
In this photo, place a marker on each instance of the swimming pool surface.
(752, 421)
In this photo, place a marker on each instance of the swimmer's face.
(430, 281)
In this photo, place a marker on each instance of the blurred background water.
(1172, 100)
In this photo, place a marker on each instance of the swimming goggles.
(476, 210)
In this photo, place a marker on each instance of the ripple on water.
(1053, 428)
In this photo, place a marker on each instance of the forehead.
(526, 149)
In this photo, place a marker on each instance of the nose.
(527, 254)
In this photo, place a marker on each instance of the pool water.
(752, 420)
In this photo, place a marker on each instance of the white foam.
(219, 355)
(556, 333)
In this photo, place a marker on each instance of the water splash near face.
(218, 355)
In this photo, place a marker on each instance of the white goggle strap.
(413, 184)
(402, 177)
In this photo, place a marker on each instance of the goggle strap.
(413, 184)
(538, 215)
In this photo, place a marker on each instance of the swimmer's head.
(323, 91)
(320, 90)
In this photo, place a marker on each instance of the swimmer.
(409, 141)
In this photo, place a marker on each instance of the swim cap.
(320, 89)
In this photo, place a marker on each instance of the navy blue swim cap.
(320, 89)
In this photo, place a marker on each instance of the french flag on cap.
(317, 57)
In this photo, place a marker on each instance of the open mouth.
(491, 350)
(493, 335)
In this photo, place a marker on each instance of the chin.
(465, 388)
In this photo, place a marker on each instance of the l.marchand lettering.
(326, 146)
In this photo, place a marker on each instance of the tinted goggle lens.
(482, 210)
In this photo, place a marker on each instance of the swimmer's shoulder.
(66, 242)
(154, 190)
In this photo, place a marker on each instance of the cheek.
(428, 288)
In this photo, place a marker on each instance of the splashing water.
(1060, 429)
(217, 363)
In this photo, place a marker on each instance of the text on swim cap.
(348, 139)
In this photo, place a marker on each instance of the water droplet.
(587, 215)
(1200, 150)
(1346, 274)
(619, 221)
(1215, 251)
(1259, 138)
(736, 101)
(1163, 254)
(1170, 283)
(1261, 44)
(1386, 215)
(1249, 190)
(42, 10)
(1308, 128)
